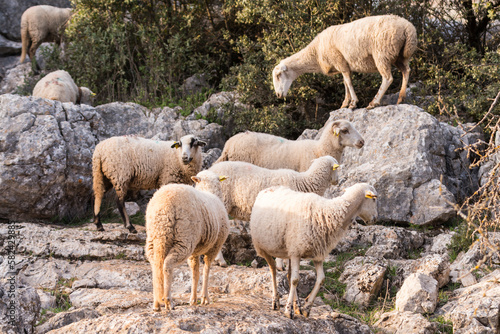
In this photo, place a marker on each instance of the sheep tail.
(98, 183)
(25, 38)
(411, 40)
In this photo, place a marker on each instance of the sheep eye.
(344, 131)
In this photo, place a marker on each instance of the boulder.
(363, 277)
(476, 306)
(14, 77)
(418, 294)
(436, 266)
(8, 48)
(396, 322)
(406, 153)
(65, 318)
(19, 307)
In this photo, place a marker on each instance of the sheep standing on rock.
(275, 152)
(294, 225)
(59, 86)
(42, 24)
(245, 181)
(366, 45)
(131, 163)
(182, 223)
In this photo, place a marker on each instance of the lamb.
(42, 24)
(131, 163)
(275, 152)
(59, 85)
(246, 180)
(366, 45)
(294, 225)
(182, 223)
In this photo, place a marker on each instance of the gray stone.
(47, 300)
(476, 303)
(131, 207)
(65, 318)
(19, 307)
(418, 294)
(436, 266)
(217, 101)
(363, 277)
(406, 151)
(14, 77)
(439, 243)
(396, 322)
(195, 84)
(8, 48)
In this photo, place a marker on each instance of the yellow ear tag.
(93, 94)
(176, 144)
(334, 167)
(370, 195)
(222, 178)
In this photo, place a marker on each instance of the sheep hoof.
(289, 313)
(352, 106)
(156, 309)
(276, 305)
(372, 105)
(222, 264)
(305, 313)
(132, 230)
(100, 228)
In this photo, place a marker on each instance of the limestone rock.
(396, 322)
(405, 153)
(418, 294)
(476, 304)
(14, 77)
(47, 300)
(8, 48)
(195, 84)
(436, 266)
(65, 318)
(364, 277)
(19, 313)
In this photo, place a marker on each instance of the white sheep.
(275, 152)
(366, 45)
(132, 163)
(59, 85)
(247, 180)
(182, 223)
(294, 225)
(42, 24)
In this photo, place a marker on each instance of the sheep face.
(368, 210)
(282, 79)
(189, 145)
(87, 96)
(210, 182)
(348, 135)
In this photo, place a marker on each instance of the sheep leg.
(194, 264)
(272, 267)
(32, 53)
(220, 259)
(385, 71)
(156, 266)
(405, 71)
(206, 271)
(294, 264)
(120, 202)
(176, 255)
(320, 278)
(349, 89)
(347, 98)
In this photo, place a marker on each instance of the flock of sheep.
(275, 183)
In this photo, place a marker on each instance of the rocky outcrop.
(419, 294)
(406, 153)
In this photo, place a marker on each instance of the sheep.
(132, 163)
(182, 223)
(289, 224)
(42, 24)
(275, 152)
(366, 45)
(59, 85)
(246, 180)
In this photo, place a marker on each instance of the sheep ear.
(196, 179)
(200, 143)
(282, 68)
(335, 166)
(222, 178)
(335, 128)
(370, 195)
(175, 145)
(93, 94)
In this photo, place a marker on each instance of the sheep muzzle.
(360, 143)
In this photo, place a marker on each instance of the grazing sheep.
(294, 225)
(42, 24)
(274, 152)
(246, 180)
(366, 45)
(182, 223)
(131, 163)
(59, 85)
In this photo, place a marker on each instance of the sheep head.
(210, 182)
(347, 133)
(368, 208)
(283, 76)
(190, 146)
